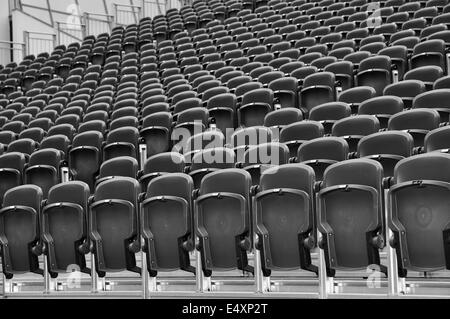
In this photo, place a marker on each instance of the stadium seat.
(114, 223)
(64, 227)
(20, 231)
(351, 190)
(285, 196)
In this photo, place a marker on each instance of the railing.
(98, 23)
(38, 42)
(127, 14)
(154, 7)
(68, 33)
(11, 51)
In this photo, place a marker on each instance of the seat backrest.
(430, 166)
(331, 147)
(388, 142)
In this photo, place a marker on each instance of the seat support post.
(447, 58)
(64, 174)
(142, 155)
(144, 275)
(393, 282)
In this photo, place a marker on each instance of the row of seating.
(69, 224)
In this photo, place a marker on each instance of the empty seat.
(295, 134)
(114, 225)
(64, 227)
(317, 89)
(375, 72)
(417, 215)
(407, 90)
(387, 147)
(121, 142)
(259, 158)
(319, 153)
(427, 74)
(284, 218)
(355, 96)
(383, 107)
(254, 107)
(437, 140)
(436, 100)
(11, 171)
(157, 165)
(155, 132)
(351, 190)
(43, 169)
(353, 128)
(167, 223)
(224, 198)
(20, 230)
(328, 113)
(431, 52)
(417, 122)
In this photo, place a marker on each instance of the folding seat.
(386, 29)
(419, 181)
(323, 62)
(437, 140)
(65, 208)
(222, 108)
(319, 153)
(20, 230)
(343, 71)
(308, 58)
(417, 122)
(231, 74)
(317, 89)
(388, 148)
(430, 52)
(121, 142)
(426, 74)
(34, 133)
(376, 72)
(355, 96)
(353, 128)
(254, 106)
(360, 200)
(113, 220)
(221, 248)
(435, 99)
(189, 122)
(441, 35)
(294, 185)
(428, 32)
(442, 83)
(291, 66)
(168, 250)
(399, 57)
(159, 164)
(43, 169)
(285, 90)
(277, 119)
(186, 104)
(156, 130)
(62, 129)
(383, 107)
(123, 166)
(295, 134)
(26, 146)
(255, 73)
(328, 113)
(301, 73)
(407, 90)
(12, 167)
(14, 126)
